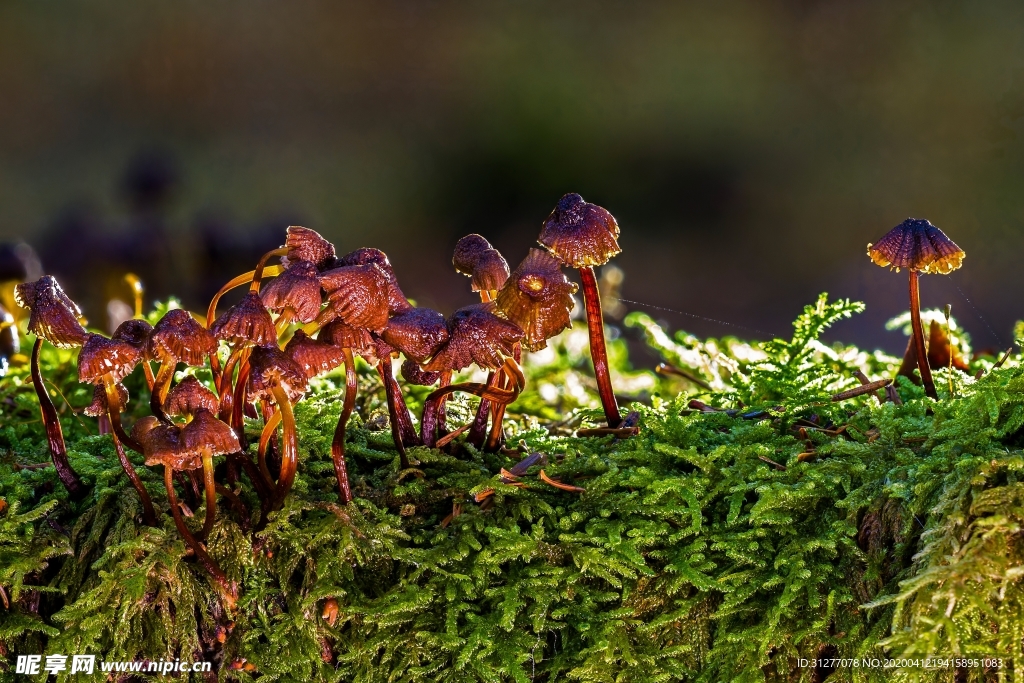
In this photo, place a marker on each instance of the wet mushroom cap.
(397, 302)
(476, 335)
(100, 356)
(98, 406)
(247, 322)
(161, 444)
(419, 333)
(308, 245)
(206, 433)
(580, 234)
(916, 244)
(54, 316)
(270, 367)
(342, 335)
(314, 356)
(538, 298)
(475, 257)
(297, 288)
(358, 295)
(189, 397)
(177, 335)
(135, 332)
(414, 374)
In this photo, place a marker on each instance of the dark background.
(750, 150)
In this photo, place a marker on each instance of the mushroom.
(369, 256)
(303, 244)
(920, 247)
(582, 236)
(243, 326)
(355, 294)
(418, 333)
(188, 397)
(206, 436)
(136, 332)
(176, 338)
(475, 257)
(294, 295)
(538, 298)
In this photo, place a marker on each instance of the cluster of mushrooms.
(305, 316)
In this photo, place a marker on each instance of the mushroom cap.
(475, 257)
(358, 295)
(308, 245)
(54, 316)
(161, 444)
(476, 335)
(98, 406)
(538, 298)
(188, 397)
(135, 332)
(206, 433)
(177, 335)
(270, 367)
(414, 374)
(297, 288)
(580, 234)
(100, 356)
(418, 333)
(342, 335)
(397, 302)
(247, 322)
(314, 356)
(916, 244)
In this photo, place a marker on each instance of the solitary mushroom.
(475, 257)
(920, 247)
(176, 338)
(206, 436)
(582, 236)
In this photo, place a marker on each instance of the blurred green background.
(750, 150)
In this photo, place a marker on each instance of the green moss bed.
(713, 546)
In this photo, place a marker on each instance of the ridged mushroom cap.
(347, 337)
(397, 302)
(358, 295)
(206, 433)
(270, 367)
(474, 256)
(247, 322)
(414, 374)
(135, 332)
(476, 335)
(297, 288)
(538, 298)
(916, 244)
(580, 234)
(314, 356)
(161, 444)
(54, 316)
(308, 245)
(100, 356)
(177, 335)
(418, 333)
(188, 397)
(98, 406)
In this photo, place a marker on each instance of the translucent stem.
(211, 493)
(338, 442)
(289, 447)
(54, 434)
(598, 352)
(915, 322)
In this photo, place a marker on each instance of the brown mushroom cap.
(418, 333)
(135, 332)
(916, 244)
(161, 444)
(475, 257)
(178, 336)
(397, 302)
(538, 298)
(270, 367)
(358, 295)
(342, 335)
(308, 245)
(297, 288)
(188, 397)
(206, 433)
(100, 356)
(414, 374)
(98, 406)
(476, 335)
(314, 356)
(54, 316)
(580, 234)
(247, 322)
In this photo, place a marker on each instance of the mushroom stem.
(477, 389)
(915, 322)
(211, 493)
(338, 442)
(268, 433)
(240, 398)
(257, 275)
(598, 352)
(228, 590)
(442, 416)
(282, 323)
(478, 432)
(54, 434)
(211, 311)
(289, 447)
(384, 370)
(148, 371)
(511, 375)
(114, 415)
(161, 385)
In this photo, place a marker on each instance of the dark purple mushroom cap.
(188, 397)
(414, 374)
(418, 333)
(135, 332)
(247, 322)
(100, 356)
(338, 333)
(358, 295)
(476, 335)
(98, 406)
(297, 289)
(177, 336)
(397, 302)
(205, 433)
(475, 257)
(538, 298)
(54, 316)
(916, 244)
(314, 356)
(161, 444)
(580, 234)
(308, 245)
(270, 367)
